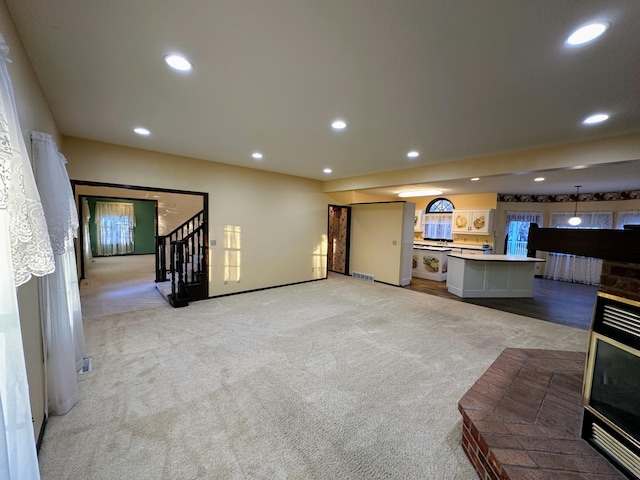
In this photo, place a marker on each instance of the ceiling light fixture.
(178, 62)
(587, 33)
(538, 179)
(576, 220)
(141, 131)
(413, 154)
(339, 125)
(474, 179)
(596, 118)
(256, 155)
(327, 170)
(420, 193)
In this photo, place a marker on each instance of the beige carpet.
(334, 379)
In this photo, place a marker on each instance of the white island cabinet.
(430, 262)
(491, 276)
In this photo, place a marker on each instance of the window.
(517, 231)
(437, 220)
(115, 224)
(232, 253)
(628, 218)
(589, 220)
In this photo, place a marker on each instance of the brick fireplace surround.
(522, 419)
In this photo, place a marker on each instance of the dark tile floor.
(564, 303)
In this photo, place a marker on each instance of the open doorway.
(339, 239)
(171, 209)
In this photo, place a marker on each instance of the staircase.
(181, 259)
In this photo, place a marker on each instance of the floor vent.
(87, 366)
(362, 276)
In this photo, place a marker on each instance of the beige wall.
(376, 240)
(282, 219)
(34, 114)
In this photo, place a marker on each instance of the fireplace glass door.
(615, 385)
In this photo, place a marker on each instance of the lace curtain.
(86, 234)
(437, 226)
(572, 268)
(115, 223)
(59, 291)
(25, 250)
(628, 218)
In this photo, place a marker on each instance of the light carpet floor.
(334, 379)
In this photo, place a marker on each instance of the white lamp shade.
(575, 221)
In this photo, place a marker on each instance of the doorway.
(339, 239)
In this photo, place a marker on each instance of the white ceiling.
(450, 78)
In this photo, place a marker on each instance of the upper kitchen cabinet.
(478, 222)
(417, 222)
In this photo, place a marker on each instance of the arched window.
(439, 205)
(437, 220)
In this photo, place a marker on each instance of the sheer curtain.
(115, 223)
(438, 226)
(86, 235)
(628, 218)
(572, 268)
(517, 230)
(59, 292)
(25, 250)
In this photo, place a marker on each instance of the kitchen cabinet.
(430, 263)
(417, 222)
(477, 222)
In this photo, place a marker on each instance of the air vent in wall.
(363, 276)
(615, 449)
(621, 319)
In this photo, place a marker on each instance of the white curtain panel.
(115, 222)
(572, 268)
(25, 250)
(438, 225)
(59, 293)
(86, 251)
(628, 218)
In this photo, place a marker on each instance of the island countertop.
(432, 248)
(495, 258)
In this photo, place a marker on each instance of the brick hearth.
(522, 420)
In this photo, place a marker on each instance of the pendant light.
(576, 220)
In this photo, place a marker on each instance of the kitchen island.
(430, 262)
(490, 276)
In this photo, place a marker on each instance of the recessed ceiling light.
(141, 131)
(538, 179)
(413, 154)
(256, 155)
(475, 179)
(597, 118)
(178, 62)
(420, 193)
(587, 33)
(327, 170)
(339, 125)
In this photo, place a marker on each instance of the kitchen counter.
(454, 247)
(495, 258)
(430, 262)
(490, 276)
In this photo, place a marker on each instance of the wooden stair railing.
(181, 257)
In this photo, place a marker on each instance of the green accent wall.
(144, 233)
